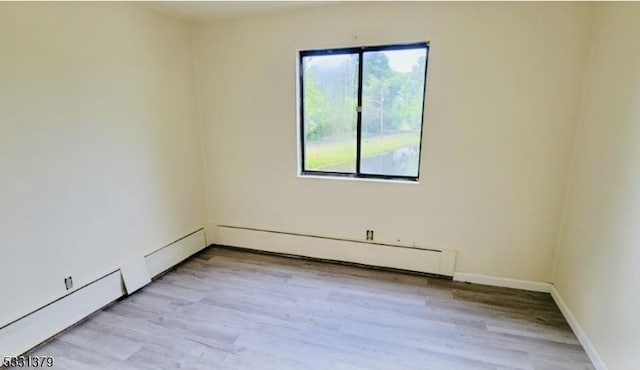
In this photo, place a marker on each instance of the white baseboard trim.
(174, 253)
(577, 329)
(535, 286)
(34, 328)
(441, 262)
(28, 332)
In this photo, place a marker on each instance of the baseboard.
(432, 261)
(38, 326)
(43, 324)
(176, 252)
(535, 286)
(577, 329)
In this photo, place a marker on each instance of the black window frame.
(360, 50)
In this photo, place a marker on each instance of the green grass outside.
(320, 156)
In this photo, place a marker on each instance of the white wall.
(596, 268)
(101, 159)
(100, 155)
(502, 99)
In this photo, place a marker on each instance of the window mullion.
(359, 113)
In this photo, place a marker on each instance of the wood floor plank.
(226, 308)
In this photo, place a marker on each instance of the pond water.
(399, 162)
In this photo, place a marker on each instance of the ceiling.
(206, 10)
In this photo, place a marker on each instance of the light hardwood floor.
(233, 309)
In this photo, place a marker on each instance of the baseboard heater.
(411, 258)
(28, 331)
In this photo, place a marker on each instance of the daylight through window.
(361, 111)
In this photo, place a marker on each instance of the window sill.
(365, 179)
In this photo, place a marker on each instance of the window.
(361, 111)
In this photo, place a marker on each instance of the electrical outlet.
(369, 234)
(68, 283)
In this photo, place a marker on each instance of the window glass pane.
(392, 102)
(330, 98)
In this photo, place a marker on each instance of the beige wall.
(101, 159)
(100, 156)
(596, 268)
(502, 99)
